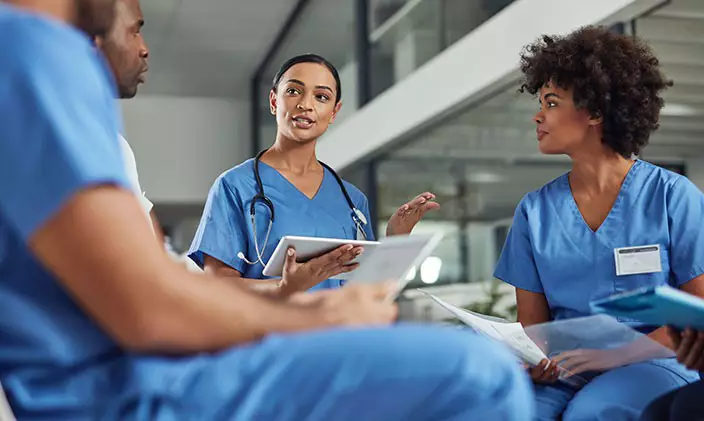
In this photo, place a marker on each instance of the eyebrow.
(548, 95)
(298, 82)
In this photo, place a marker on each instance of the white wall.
(695, 171)
(460, 74)
(182, 144)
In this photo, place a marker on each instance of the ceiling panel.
(208, 47)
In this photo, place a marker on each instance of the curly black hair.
(616, 77)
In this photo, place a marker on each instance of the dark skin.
(689, 346)
(125, 48)
(595, 180)
(126, 51)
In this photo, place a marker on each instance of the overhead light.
(678, 110)
(484, 177)
(430, 270)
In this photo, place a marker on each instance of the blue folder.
(661, 305)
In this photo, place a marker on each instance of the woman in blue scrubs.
(599, 96)
(285, 190)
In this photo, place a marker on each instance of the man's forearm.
(213, 315)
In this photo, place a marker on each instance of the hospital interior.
(430, 103)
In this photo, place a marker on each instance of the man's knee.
(492, 374)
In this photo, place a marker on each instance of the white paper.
(511, 334)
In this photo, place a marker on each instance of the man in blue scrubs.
(98, 323)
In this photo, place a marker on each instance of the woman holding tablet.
(613, 223)
(285, 190)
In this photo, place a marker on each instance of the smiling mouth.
(540, 134)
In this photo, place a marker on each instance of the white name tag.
(638, 260)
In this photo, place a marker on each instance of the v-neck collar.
(293, 186)
(615, 208)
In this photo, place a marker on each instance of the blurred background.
(430, 103)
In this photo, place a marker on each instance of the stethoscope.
(360, 221)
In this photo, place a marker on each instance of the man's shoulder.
(32, 34)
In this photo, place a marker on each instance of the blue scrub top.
(58, 125)
(551, 250)
(226, 229)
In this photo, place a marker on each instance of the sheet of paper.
(511, 334)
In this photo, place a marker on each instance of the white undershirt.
(133, 178)
(133, 175)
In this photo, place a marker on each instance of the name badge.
(638, 260)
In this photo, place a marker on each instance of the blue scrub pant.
(617, 395)
(403, 373)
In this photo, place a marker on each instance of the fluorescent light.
(430, 270)
(484, 177)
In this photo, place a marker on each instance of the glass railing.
(418, 30)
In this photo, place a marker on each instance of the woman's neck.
(598, 170)
(289, 155)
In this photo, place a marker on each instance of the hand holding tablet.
(390, 259)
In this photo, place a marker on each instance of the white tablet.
(393, 258)
(308, 248)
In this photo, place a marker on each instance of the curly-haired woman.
(581, 236)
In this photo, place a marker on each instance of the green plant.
(488, 305)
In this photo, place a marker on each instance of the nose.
(143, 49)
(539, 117)
(304, 103)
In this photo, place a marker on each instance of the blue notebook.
(661, 305)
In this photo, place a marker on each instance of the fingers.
(348, 268)
(290, 261)
(335, 264)
(688, 338)
(696, 353)
(574, 362)
(341, 255)
(431, 206)
(545, 372)
(674, 335)
(421, 203)
(378, 291)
